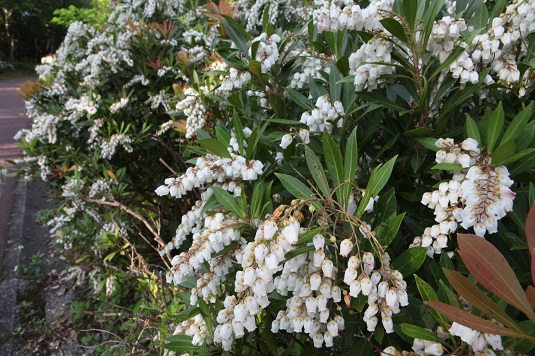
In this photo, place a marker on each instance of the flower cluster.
(235, 80)
(365, 63)
(477, 197)
(193, 107)
(476, 339)
(211, 168)
(195, 327)
(385, 288)
(445, 37)
(310, 66)
(352, 17)
(324, 115)
(268, 52)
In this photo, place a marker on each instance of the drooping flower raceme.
(478, 196)
(479, 341)
(324, 115)
(268, 52)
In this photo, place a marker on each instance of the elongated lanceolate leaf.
(428, 293)
(351, 162)
(471, 321)
(490, 268)
(297, 188)
(215, 147)
(378, 180)
(495, 127)
(180, 343)
(418, 332)
(318, 174)
(225, 199)
(478, 298)
(333, 158)
(472, 131)
(409, 261)
(530, 237)
(518, 125)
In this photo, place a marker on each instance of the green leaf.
(225, 199)
(375, 98)
(395, 28)
(429, 143)
(253, 140)
(257, 199)
(335, 86)
(333, 158)
(446, 295)
(448, 167)
(429, 19)
(299, 251)
(214, 146)
(481, 16)
(351, 161)
(388, 230)
(378, 180)
(180, 343)
(472, 131)
(209, 203)
(409, 261)
(495, 127)
(316, 89)
(256, 68)
(518, 125)
(418, 132)
(299, 99)
(417, 332)
(410, 8)
(523, 165)
(297, 188)
(238, 129)
(428, 293)
(318, 174)
(237, 34)
(308, 235)
(503, 153)
(222, 135)
(207, 315)
(381, 177)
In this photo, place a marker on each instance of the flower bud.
(345, 247)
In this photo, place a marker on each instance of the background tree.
(26, 32)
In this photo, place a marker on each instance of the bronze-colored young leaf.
(490, 268)
(530, 294)
(530, 237)
(478, 298)
(474, 322)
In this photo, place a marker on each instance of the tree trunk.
(11, 36)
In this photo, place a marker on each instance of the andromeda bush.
(258, 178)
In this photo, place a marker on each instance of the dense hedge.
(248, 178)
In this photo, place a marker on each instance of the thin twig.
(116, 204)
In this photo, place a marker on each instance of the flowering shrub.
(273, 172)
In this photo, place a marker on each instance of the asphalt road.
(12, 119)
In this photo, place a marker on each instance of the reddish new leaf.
(490, 268)
(473, 322)
(530, 237)
(478, 298)
(530, 293)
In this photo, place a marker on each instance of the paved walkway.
(12, 119)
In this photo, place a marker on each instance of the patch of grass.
(20, 69)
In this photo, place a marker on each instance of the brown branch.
(126, 209)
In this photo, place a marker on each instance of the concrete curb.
(10, 281)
